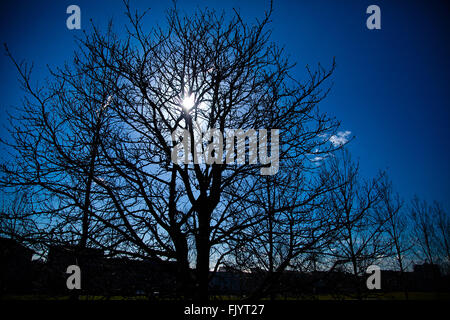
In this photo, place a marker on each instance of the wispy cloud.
(317, 158)
(340, 138)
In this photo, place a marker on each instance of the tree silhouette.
(94, 144)
(361, 241)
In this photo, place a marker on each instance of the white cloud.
(340, 138)
(317, 158)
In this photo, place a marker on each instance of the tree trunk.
(184, 279)
(203, 251)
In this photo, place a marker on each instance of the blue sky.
(390, 86)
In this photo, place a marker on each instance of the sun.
(188, 102)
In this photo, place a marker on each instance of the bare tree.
(396, 227)
(95, 142)
(294, 225)
(360, 242)
(14, 216)
(442, 221)
(423, 231)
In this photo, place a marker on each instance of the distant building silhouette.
(102, 275)
(15, 266)
(109, 276)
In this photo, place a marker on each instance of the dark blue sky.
(390, 88)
